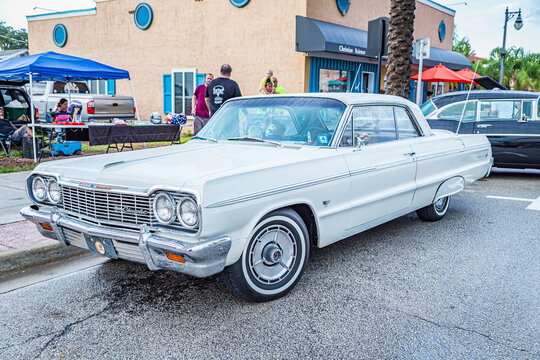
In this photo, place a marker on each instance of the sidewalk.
(21, 245)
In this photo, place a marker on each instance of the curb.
(17, 260)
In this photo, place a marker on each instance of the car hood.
(195, 162)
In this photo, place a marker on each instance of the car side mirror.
(524, 118)
(362, 139)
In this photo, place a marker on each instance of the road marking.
(534, 203)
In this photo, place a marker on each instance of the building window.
(98, 87)
(183, 87)
(333, 80)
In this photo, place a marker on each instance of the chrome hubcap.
(272, 254)
(441, 204)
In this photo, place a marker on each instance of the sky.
(481, 21)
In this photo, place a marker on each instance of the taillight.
(90, 107)
(134, 110)
(36, 114)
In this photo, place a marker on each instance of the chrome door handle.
(412, 153)
(483, 125)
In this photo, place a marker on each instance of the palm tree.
(521, 70)
(400, 37)
(463, 46)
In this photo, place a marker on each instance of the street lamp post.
(508, 15)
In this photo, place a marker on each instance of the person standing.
(277, 89)
(269, 74)
(268, 88)
(221, 89)
(199, 109)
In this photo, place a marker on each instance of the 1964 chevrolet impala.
(267, 179)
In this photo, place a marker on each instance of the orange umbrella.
(441, 73)
(468, 74)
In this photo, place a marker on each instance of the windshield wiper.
(249, 138)
(204, 138)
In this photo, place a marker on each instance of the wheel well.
(308, 217)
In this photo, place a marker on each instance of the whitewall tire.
(273, 260)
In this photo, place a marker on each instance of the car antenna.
(467, 98)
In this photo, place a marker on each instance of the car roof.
(457, 96)
(347, 98)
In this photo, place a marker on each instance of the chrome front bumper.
(202, 258)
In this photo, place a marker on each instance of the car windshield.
(271, 119)
(427, 108)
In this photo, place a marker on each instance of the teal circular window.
(59, 35)
(143, 16)
(343, 6)
(239, 3)
(442, 31)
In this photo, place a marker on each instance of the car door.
(512, 131)
(382, 170)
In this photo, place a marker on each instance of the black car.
(510, 120)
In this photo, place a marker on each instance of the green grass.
(17, 168)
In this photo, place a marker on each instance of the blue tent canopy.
(54, 66)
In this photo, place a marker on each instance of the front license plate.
(101, 246)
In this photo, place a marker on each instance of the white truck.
(47, 94)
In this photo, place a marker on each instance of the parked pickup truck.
(46, 95)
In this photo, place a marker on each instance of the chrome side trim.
(279, 190)
(440, 153)
(513, 135)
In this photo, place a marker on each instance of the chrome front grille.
(107, 206)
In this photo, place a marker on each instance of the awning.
(314, 36)
(54, 66)
(451, 59)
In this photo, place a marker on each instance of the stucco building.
(167, 45)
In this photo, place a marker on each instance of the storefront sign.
(143, 16)
(353, 50)
(59, 35)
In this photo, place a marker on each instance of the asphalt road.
(467, 287)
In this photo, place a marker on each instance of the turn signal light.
(47, 227)
(175, 257)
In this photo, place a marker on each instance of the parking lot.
(465, 287)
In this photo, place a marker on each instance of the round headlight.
(164, 208)
(54, 191)
(39, 189)
(187, 213)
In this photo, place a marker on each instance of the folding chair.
(5, 142)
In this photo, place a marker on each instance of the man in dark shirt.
(221, 89)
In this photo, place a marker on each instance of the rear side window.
(405, 126)
(427, 108)
(14, 103)
(500, 110)
(61, 87)
(454, 112)
(527, 110)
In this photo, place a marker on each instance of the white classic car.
(267, 179)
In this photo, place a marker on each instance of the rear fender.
(449, 187)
